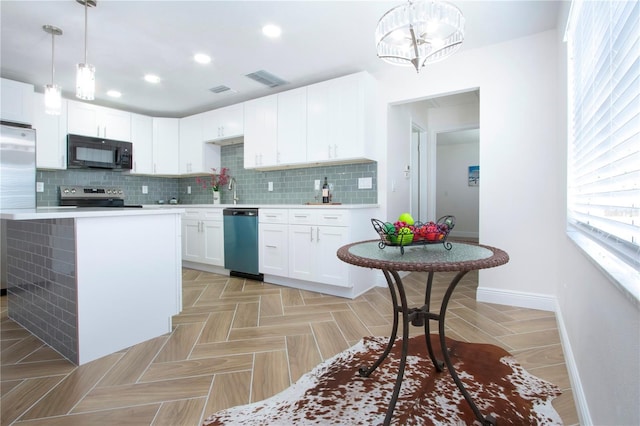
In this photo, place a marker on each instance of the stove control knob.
(73, 190)
(66, 190)
(120, 192)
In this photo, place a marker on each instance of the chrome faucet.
(232, 185)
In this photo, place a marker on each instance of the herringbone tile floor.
(239, 341)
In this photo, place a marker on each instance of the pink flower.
(216, 180)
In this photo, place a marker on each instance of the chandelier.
(419, 32)
(52, 92)
(86, 73)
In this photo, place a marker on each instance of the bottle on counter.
(325, 191)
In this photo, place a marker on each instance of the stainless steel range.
(92, 196)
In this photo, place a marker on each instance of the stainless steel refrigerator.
(17, 178)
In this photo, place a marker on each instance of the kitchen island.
(92, 281)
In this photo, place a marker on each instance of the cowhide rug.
(334, 394)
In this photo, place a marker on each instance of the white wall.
(522, 210)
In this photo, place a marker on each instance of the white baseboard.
(579, 397)
(521, 299)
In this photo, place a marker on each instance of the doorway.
(439, 177)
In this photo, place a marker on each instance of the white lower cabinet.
(313, 254)
(273, 254)
(298, 248)
(203, 236)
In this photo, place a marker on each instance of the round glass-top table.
(461, 258)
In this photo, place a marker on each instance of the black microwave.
(84, 152)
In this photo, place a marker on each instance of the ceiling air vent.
(266, 78)
(220, 89)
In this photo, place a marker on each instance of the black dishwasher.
(241, 242)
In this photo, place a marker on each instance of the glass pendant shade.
(419, 33)
(52, 99)
(86, 82)
(52, 92)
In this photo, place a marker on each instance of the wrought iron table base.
(420, 317)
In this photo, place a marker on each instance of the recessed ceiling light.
(114, 93)
(272, 31)
(152, 78)
(201, 58)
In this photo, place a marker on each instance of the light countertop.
(266, 206)
(73, 212)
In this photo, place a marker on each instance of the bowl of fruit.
(405, 231)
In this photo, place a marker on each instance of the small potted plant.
(215, 182)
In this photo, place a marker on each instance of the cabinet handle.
(330, 217)
(335, 151)
(98, 131)
(278, 157)
(318, 234)
(270, 246)
(329, 151)
(311, 233)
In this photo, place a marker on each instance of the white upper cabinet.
(92, 120)
(292, 126)
(261, 132)
(166, 146)
(325, 123)
(142, 139)
(340, 118)
(17, 101)
(51, 135)
(196, 156)
(223, 123)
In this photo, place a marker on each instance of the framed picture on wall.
(474, 175)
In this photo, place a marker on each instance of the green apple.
(406, 218)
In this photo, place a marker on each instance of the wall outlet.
(316, 184)
(270, 186)
(145, 189)
(188, 189)
(365, 183)
(39, 186)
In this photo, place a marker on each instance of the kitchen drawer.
(212, 214)
(273, 215)
(191, 214)
(302, 217)
(332, 218)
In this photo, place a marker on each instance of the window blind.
(604, 134)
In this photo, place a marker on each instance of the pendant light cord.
(53, 55)
(85, 31)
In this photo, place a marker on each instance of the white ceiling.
(126, 39)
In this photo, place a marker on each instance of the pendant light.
(86, 73)
(52, 92)
(419, 32)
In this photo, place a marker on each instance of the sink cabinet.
(203, 236)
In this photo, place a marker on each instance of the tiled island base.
(41, 264)
(89, 286)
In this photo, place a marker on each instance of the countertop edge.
(73, 213)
